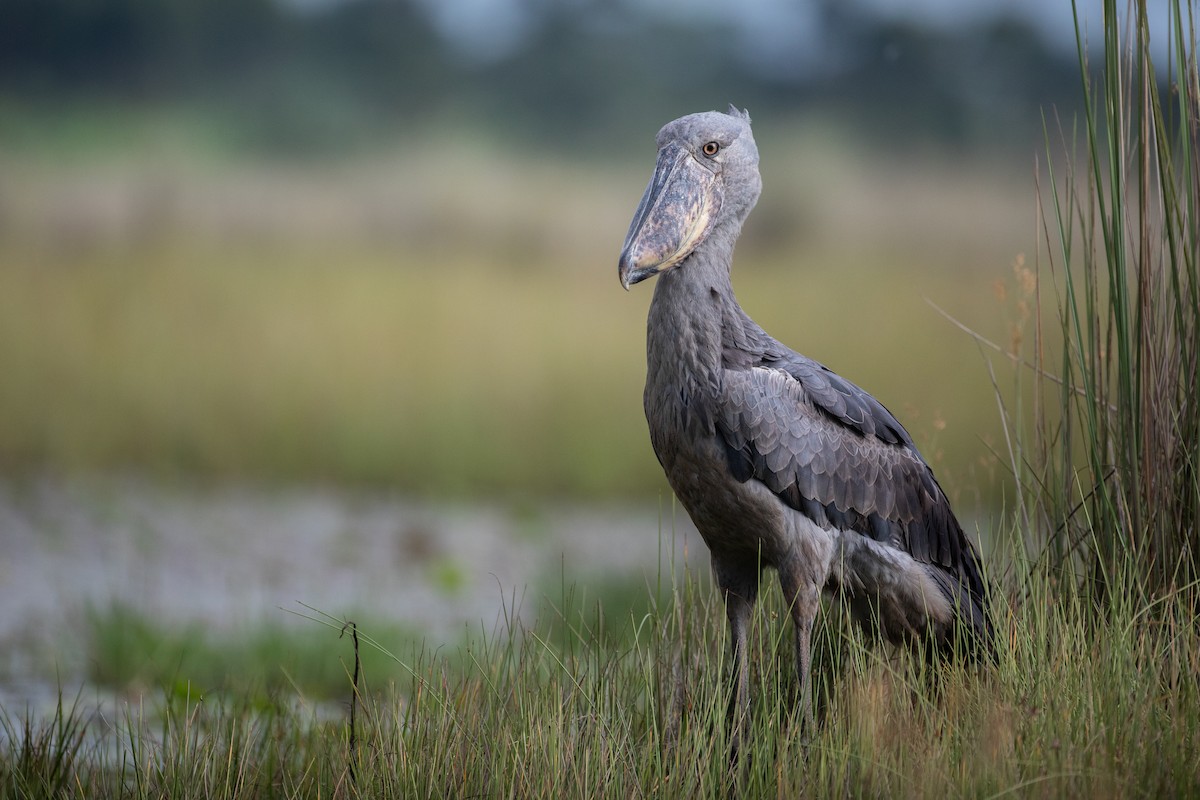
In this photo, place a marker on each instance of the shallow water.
(237, 555)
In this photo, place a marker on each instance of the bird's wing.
(835, 454)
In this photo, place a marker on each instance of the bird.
(780, 462)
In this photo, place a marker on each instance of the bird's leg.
(804, 599)
(739, 588)
(738, 609)
(804, 625)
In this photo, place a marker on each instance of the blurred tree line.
(329, 74)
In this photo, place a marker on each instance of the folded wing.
(833, 452)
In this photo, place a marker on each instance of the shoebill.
(780, 462)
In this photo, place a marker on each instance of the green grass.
(449, 322)
(1078, 704)
(459, 380)
(131, 653)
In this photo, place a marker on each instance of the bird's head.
(706, 175)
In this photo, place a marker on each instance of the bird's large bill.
(676, 213)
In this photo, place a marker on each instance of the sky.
(493, 28)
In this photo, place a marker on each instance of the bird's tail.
(971, 634)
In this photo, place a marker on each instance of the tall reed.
(1111, 470)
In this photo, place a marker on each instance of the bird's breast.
(731, 516)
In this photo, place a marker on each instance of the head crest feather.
(743, 114)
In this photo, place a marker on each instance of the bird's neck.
(693, 306)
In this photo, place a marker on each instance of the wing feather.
(835, 454)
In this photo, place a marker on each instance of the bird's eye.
(711, 149)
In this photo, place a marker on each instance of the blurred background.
(305, 299)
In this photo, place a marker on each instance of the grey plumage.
(779, 461)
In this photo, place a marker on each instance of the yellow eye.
(711, 149)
